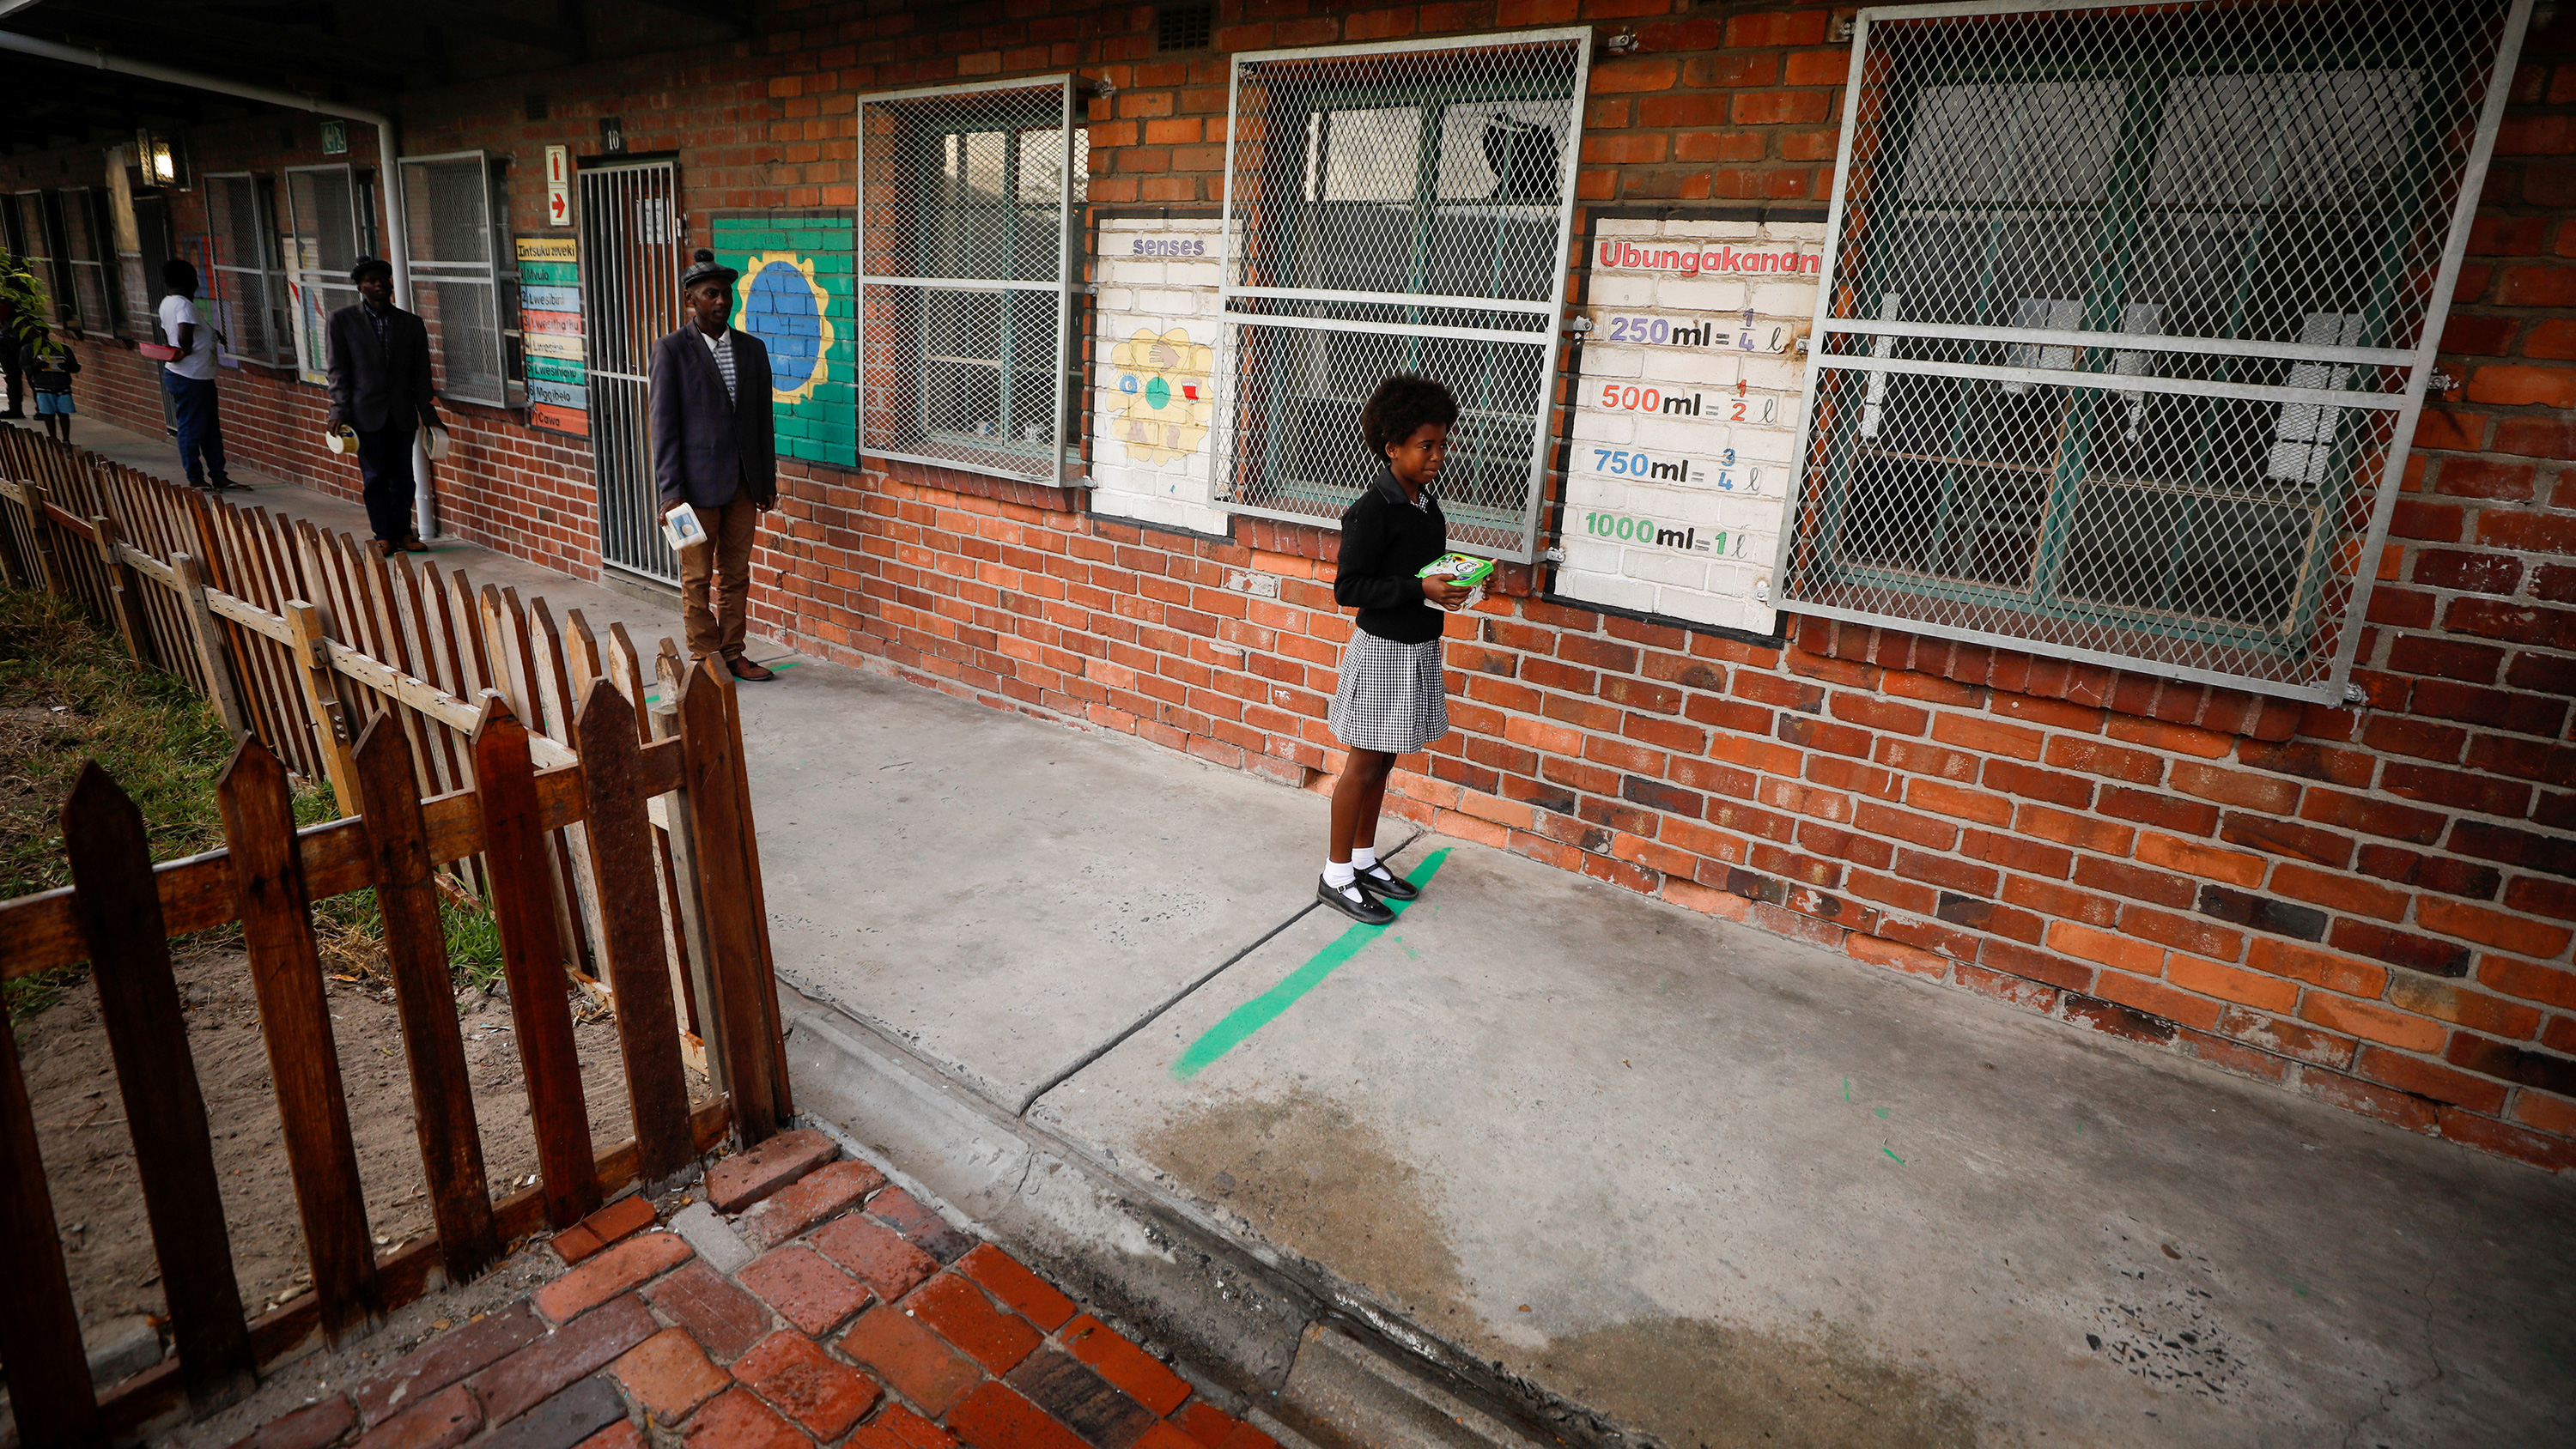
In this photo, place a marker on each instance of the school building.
(2073, 501)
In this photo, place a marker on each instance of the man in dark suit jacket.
(714, 449)
(380, 387)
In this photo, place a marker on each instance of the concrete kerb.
(1235, 1310)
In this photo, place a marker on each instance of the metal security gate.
(630, 296)
(2128, 315)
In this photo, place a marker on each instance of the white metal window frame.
(84, 206)
(2407, 403)
(1549, 339)
(304, 282)
(264, 231)
(41, 247)
(1065, 284)
(426, 269)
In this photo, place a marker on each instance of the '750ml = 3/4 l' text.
(1621, 463)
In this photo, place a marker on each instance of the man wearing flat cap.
(713, 449)
(380, 387)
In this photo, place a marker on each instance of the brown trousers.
(722, 566)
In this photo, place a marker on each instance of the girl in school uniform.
(1391, 699)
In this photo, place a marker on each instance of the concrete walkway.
(1718, 1186)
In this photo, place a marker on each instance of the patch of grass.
(69, 694)
(473, 944)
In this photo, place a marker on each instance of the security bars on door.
(447, 210)
(1397, 208)
(967, 202)
(2128, 319)
(631, 235)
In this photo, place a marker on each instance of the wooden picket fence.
(494, 752)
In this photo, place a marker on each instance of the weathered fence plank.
(295, 1022)
(515, 854)
(621, 850)
(119, 916)
(734, 933)
(442, 1094)
(322, 698)
(40, 1337)
(214, 661)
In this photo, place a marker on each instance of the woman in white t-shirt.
(191, 379)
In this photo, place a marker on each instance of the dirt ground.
(89, 1157)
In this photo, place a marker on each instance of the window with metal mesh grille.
(1184, 27)
(241, 221)
(1403, 213)
(448, 207)
(2131, 303)
(965, 331)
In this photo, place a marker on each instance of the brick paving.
(864, 1320)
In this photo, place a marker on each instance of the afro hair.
(1401, 405)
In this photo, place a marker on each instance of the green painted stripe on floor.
(654, 696)
(1264, 1009)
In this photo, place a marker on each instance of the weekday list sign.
(1686, 411)
(550, 335)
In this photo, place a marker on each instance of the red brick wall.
(2370, 905)
(515, 488)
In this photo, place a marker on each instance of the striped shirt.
(721, 346)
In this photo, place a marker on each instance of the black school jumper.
(1390, 696)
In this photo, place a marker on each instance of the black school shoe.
(1385, 884)
(1365, 910)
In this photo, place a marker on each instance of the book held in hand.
(682, 528)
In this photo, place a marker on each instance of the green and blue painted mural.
(796, 297)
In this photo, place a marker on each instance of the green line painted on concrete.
(1264, 1009)
(1898, 1160)
(780, 666)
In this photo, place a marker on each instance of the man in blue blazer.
(380, 386)
(714, 449)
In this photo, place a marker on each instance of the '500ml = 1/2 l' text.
(1618, 399)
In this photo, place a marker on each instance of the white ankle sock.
(1338, 874)
(1363, 856)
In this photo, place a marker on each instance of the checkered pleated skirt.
(1391, 696)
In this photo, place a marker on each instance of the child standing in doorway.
(50, 364)
(1391, 699)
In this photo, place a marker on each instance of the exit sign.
(335, 138)
(558, 186)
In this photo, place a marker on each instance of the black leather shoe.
(1365, 910)
(1385, 884)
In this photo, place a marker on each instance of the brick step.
(1255, 1323)
(832, 1310)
